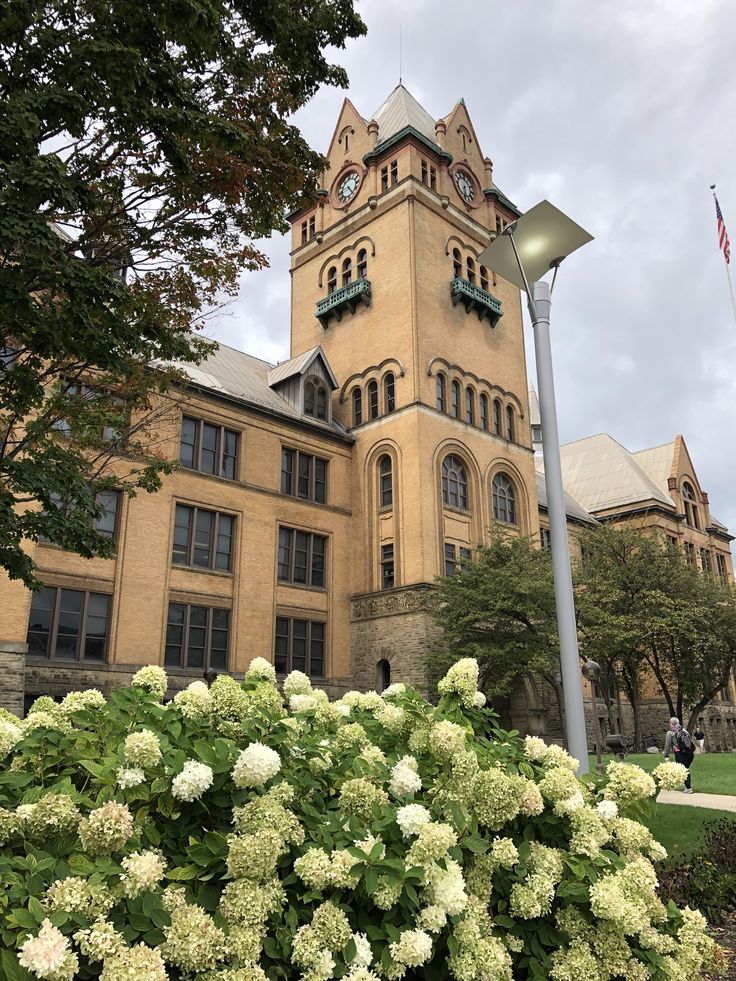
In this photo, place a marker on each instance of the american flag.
(723, 242)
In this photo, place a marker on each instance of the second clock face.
(348, 186)
(464, 183)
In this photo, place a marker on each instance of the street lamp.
(592, 673)
(526, 250)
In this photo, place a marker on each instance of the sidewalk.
(719, 802)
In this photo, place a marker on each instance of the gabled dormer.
(306, 383)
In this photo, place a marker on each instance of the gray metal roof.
(400, 110)
(535, 417)
(230, 372)
(572, 508)
(299, 364)
(657, 463)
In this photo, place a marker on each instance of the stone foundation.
(12, 676)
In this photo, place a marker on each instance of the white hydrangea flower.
(461, 680)
(303, 703)
(670, 776)
(535, 748)
(411, 818)
(363, 953)
(261, 669)
(130, 777)
(479, 700)
(10, 734)
(142, 749)
(255, 765)
(195, 701)
(394, 691)
(432, 918)
(153, 678)
(343, 709)
(76, 701)
(404, 777)
(413, 948)
(445, 888)
(49, 955)
(607, 809)
(194, 779)
(142, 872)
(297, 683)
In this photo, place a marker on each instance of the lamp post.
(526, 250)
(592, 673)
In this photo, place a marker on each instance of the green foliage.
(500, 609)
(151, 139)
(708, 879)
(385, 836)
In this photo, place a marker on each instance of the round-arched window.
(454, 483)
(497, 417)
(691, 506)
(383, 675)
(389, 392)
(504, 500)
(362, 267)
(457, 264)
(347, 271)
(455, 404)
(385, 482)
(373, 400)
(332, 279)
(509, 423)
(470, 406)
(441, 393)
(315, 399)
(357, 406)
(484, 412)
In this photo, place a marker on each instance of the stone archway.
(383, 675)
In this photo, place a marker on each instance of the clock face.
(464, 185)
(348, 186)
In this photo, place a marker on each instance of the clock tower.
(427, 349)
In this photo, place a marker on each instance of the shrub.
(223, 836)
(708, 879)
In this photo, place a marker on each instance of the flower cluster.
(152, 678)
(77, 895)
(405, 778)
(461, 680)
(193, 943)
(49, 955)
(194, 779)
(194, 702)
(670, 776)
(628, 784)
(142, 872)
(10, 734)
(106, 829)
(256, 765)
(82, 701)
(142, 749)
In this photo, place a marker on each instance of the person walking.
(699, 737)
(678, 741)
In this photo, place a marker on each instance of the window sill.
(456, 510)
(302, 586)
(223, 574)
(71, 662)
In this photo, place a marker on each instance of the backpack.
(683, 742)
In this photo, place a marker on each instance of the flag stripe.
(723, 242)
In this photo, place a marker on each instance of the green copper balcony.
(474, 298)
(346, 298)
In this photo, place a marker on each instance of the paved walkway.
(719, 802)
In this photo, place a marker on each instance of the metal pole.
(539, 309)
(597, 727)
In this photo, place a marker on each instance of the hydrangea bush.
(228, 836)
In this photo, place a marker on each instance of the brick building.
(318, 500)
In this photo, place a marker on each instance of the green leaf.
(36, 910)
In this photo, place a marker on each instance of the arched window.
(484, 412)
(332, 279)
(509, 423)
(373, 400)
(347, 271)
(383, 675)
(310, 397)
(470, 406)
(389, 392)
(497, 417)
(385, 482)
(457, 264)
(504, 500)
(321, 402)
(357, 406)
(315, 399)
(455, 406)
(362, 268)
(691, 508)
(484, 278)
(471, 270)
(441, 393)
(454, 483)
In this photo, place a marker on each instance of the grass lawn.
(712, 773)
(681, 829)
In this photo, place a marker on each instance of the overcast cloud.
(622, 113)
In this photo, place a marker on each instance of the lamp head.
(591, 670)
(544, 236)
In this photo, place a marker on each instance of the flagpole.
(725, 261)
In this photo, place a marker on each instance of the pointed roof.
(401, 111)
(600, 473)
(658, 462)
(535, 416)
(298, 365)
(573, 509)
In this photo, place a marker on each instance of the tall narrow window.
(384, 178)
(312, 226)
(454, 483)
(691, 507)
(373, 400)
(441, 393)
(394, 172)
(332, 279)
(504, 500)
(690, 555)
(509, 423)
(347, 271)
(450, 559)
(721, 567)
(389, 392)
(455, 404)
(383, 675)
(309, 398)
(457, 264)
(471, 270)
(304, 233)
(385, 478)
(362, 268)
(484, 278)
(497, 417)
(425, 172)
(387, 567)
(321, 407)
(470, 406)
(357, 406)
(705, 562)
(484, 412)
(544, 538)
(432, 179)
(315, 399)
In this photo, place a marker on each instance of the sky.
(620, 112)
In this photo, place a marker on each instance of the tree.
(645, 611)
(500, 609)
(143, 147)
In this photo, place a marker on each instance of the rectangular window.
(544, 538)
(208, 448)
(69, 624)
(304, 232)
(312, 227)
(690, 554)
(387, 566)
(450, 559)
(196, 636)
(384, 178)
(394, 172)
(303, 475)
(672, 541)
(302, 557)
(8, 356)
(299, 646)
(425, 172)
(721, 566)
(202, 538)
(705, 563)
(107, 523)
(432, 179)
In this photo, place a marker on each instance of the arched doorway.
(383, 675)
